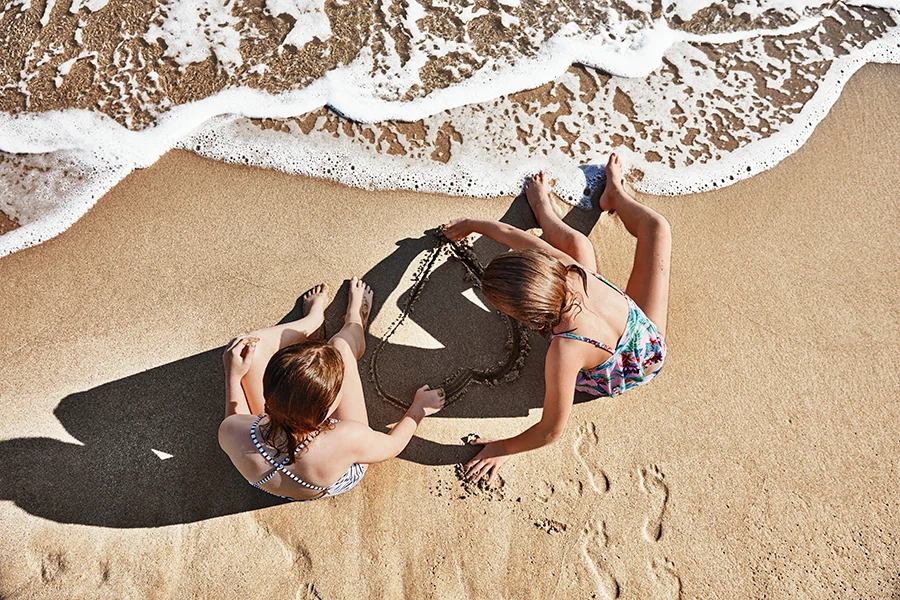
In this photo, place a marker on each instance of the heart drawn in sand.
(515, 345)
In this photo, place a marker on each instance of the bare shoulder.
(347, 430)
(232, 427)
(564, 356)
(348, 438)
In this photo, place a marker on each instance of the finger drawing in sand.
(603, 340)
(296, 424)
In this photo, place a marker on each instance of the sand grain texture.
(761, 463)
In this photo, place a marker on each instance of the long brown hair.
(530, 286)
(300, 384)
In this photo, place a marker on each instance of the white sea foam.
(90, 5)
(192, 31)
(311, 22)
(472, 134)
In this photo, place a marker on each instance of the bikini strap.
(279, 466)
(581, 338)
(608, 282)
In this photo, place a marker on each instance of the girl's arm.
(504, 234)
(370, 446)
(237, 359)
(560, 370)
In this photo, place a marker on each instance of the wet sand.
(761, 463)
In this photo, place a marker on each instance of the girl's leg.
(273, 339)
(556, 232)
(648, 284)
(351, 343)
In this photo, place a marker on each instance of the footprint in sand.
(667, 580)
(653, 485)
(594, 540)
(586, 444)
(52, 567)
(308, 592)
(566, 488)
(545, 492)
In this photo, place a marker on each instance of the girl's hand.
(457, 229)
(239, 355)
(488, 461)
(428, 400)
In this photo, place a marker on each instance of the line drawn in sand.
(586, 443)
(666, 577)
(455, 385)
(653, 485)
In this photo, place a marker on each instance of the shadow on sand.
(114, 479)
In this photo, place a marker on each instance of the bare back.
(603, 317)
(320, 464)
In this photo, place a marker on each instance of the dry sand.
(764, 457)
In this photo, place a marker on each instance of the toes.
(316, 290)
(362, 286)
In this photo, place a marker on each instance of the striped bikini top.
(347, 480)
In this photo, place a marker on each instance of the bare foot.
(360, 302)
(615, 184)
(537, 191)
(314, 301)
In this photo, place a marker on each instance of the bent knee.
(265, 347)
(349, 353)
(659, 228)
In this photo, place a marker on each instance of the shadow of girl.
(114, 479)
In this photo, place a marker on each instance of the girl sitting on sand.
(311, 438)
(603, 341)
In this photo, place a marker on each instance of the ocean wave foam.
(423, 94)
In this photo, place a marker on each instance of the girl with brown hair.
(295, 423)
(603, 340)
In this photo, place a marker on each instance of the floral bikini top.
(637, 358)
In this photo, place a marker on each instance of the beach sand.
(763, 458)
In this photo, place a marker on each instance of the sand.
(761, 463)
